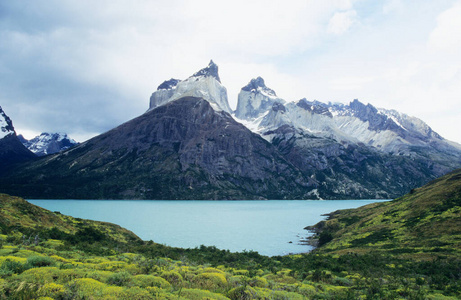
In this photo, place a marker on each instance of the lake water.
(267, 227)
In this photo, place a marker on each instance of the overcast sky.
(84, 67)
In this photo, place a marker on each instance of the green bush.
(243, 293)
(52, 290)
(150, 281)
(85, 288)
(40, 276)
(173, 277)
(196, 294)
(134, 293)
(120, 278)
(39, 261)
(210, 281)
(9, 268)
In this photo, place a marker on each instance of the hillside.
(424, 223)
(18, 215)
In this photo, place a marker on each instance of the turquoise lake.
(267, 227)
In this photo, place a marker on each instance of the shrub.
(150, 281)
(85, 288)
(40, 275)
(172, 277)
(39, 261)
(159, 293)
(102, 276)
(258, 282)
(243, 293)
(307, 290)
(120, 279)
(10, 267)
(210, 281)
(196, 294)
(324, 238)
(53, 290)
(135, 293)
(283, 295)
(238, 280)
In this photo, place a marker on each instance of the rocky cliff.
(12, 151)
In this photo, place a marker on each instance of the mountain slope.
(181, 150)
(423, 222)
(12, 151)
(48, 143)
(350, 151)
(349, 171)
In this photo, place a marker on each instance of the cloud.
(446, 36)
(342, 21)
(85, 66)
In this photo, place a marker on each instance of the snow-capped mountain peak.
(257, 85)
(6, 126)
(210, 70)
(49, 143)
(204, 84)
(168, 84)
(255, 99)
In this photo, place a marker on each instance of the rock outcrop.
(204, 84)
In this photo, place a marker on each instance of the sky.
(84, 67)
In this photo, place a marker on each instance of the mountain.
(423, 222)
(11, 149)
(353, 150)
(255, 99)
(187, 145)
(204, 84)
(48, 143)
(184, 149)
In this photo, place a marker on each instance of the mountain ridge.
(181, 150)
(189, 145)
(48, 143)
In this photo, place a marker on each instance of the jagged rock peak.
(168, 84)
(6, 125)
(48, 143)
(358, 106)
(255, 99)
(210, 70)
(203, 84)
(257, 84)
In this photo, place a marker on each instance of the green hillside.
(421, 224)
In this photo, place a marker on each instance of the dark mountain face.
(12, 151)
(344, 171)
(181, 150)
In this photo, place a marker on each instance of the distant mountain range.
(191, 145)
(48, 143)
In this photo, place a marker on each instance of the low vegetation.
(370, 253)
